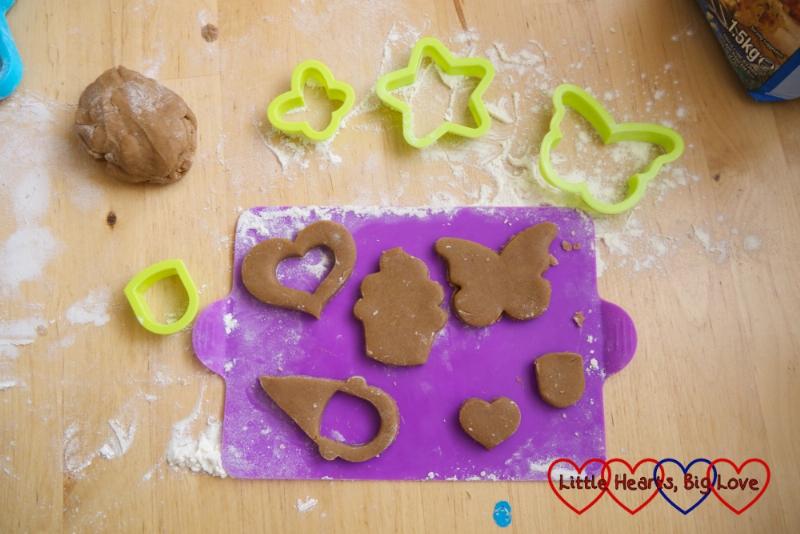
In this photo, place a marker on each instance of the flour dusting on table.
(121, 439)
(197, 454)
(93, 309)
(306, 505)
(32, 152)
(18, 333)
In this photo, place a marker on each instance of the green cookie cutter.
(139, 285)
(316, 71)
(568, 95)
(432, 48)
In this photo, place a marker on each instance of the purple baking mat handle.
(208, 336)
(619, 337)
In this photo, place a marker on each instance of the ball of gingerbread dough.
(144, 131)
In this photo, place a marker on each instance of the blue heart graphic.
(685, 470)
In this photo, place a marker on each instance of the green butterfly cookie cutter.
(574, 97)
(139, 285)
(432, 48)
(311, 71)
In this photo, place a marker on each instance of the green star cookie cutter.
(311, 71)
(432, 48)
(572, 96)
(139, 285)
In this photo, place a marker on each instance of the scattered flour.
(201, 454)
(121, 433)
(149, 474)
(31, 195)
(93, 309)
(74, 460)
(25, 254)
(498, 111)
(17, 333)
(320, 267)
(338, 436)
(7, 384)
(85, 195)
(34, 155)
(752, 242)
(120, 440)
(230, 323)
(594, 367)
(152, 66)
(306, 505)
(718, 248)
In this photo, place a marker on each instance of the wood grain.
(716, 373)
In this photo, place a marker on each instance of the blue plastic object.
(10, 62)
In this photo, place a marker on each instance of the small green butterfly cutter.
(139, 285)
(474, 67)
(568, 95)
(311, 71)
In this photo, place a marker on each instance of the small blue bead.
(502, 514)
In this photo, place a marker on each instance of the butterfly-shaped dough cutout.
(490, 284)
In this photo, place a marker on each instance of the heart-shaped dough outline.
(572, 96)
(335, 90)
(499, 407)
(259, 267)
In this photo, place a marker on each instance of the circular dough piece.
(144, 131)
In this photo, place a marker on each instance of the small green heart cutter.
(432, 48)
(589, 108)
(139, 285)
(338, 91)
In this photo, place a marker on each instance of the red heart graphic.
(632, 470)
(739, 511)
(580, 469)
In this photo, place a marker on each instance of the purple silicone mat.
(240, 339)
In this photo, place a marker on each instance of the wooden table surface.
(708, 265)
